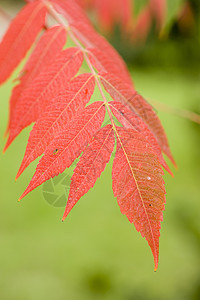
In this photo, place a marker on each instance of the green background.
(96, 253)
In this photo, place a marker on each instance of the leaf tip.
(5, 148)
(172, 159)
(169, 171)
(64, 216)
(175, 165)
(17, 176)
(155, 269)
(20, 198)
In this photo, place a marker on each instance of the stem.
(176, 111)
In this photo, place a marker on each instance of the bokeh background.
(96, 253)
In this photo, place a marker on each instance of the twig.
(176, 111)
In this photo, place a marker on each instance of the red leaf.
(91, 39)
(46, 49)
(113, 12)
(20, 36)
(102, 63)
(44, 87)
(51, 43)
(110, 12)
(58, 114)
(143, 24)
(105, 13)
(68, 145)
(131, 120)
(90, 166)
(123, 93)
(159, 9)
(139, 186)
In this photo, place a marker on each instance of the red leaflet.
(159, 8)
(123, 93)
(20, 36)
(57, 115)
(113, 12)
(91, 39)
(46, 49)
(139, 186)
(90, 166)
(105, 13)
(50, 44)
(68, 144)
(143, 24)
(44, 87)
(126, 11)
(110, 12)
(103, 63)
(131, 120)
